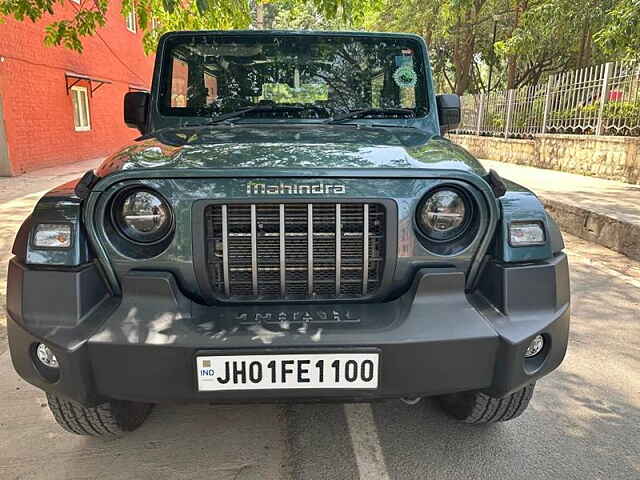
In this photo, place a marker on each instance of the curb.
(623, 237)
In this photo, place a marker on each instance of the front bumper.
(434, 339)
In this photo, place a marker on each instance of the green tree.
(621, 34)
(294, 15)
(533, 38)
(158, 16)
(458, 32)
(551, 35)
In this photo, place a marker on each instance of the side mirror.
(449, 111)
(135, 110)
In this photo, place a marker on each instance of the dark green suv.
(290, 226)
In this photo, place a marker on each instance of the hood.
(290, 147)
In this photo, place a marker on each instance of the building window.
(80, 101)
(131, 21)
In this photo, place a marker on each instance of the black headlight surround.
(129, 233)
(464, 235)
(459, 231)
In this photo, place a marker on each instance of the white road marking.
(365, 441)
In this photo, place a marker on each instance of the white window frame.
(80, 96)
(132, 24)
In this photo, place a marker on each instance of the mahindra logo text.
(292, 189)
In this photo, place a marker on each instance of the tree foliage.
(158, 16)
(510, 42)
(621, 33)
(294, 15)
(533, 38)
(552, 35)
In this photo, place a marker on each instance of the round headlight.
(444, 215)
(143, 216)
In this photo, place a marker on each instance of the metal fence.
(598, 100)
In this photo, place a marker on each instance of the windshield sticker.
(405, 76)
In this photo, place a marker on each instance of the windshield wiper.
(255, 109)
(365, 112)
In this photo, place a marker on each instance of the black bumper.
(435, 339)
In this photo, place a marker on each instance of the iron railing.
(598, 100)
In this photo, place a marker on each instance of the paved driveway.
(583, 423)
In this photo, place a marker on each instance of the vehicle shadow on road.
(565, 433)
(583, 418)
(190, 441)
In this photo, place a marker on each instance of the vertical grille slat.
(310, 290)
(295, 251)
(254, 251)
(225, 250)
(283, 252)
(338, 247)
(365, 250)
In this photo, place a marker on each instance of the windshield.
(309, 76)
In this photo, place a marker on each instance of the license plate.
(300, 371)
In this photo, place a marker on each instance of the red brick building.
(58, 106)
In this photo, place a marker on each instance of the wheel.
(108, 420)
(476, 407)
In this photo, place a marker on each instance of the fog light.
(535, 347)
(46, 356)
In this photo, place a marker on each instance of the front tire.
(108, 420)
(478, 408)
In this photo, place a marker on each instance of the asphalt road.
(583, 422)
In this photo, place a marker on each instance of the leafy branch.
(156, 17)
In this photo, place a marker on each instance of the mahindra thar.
(290, 226)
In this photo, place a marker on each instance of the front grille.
(295, 250)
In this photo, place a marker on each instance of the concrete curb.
(623, 237)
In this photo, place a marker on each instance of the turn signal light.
(52, 235)
(526, 234)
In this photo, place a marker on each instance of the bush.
(614, 112)
(620, 118)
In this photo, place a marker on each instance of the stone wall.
(613, 158)
(618, 235)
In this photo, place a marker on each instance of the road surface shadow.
(567, 433)
(177, 441)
